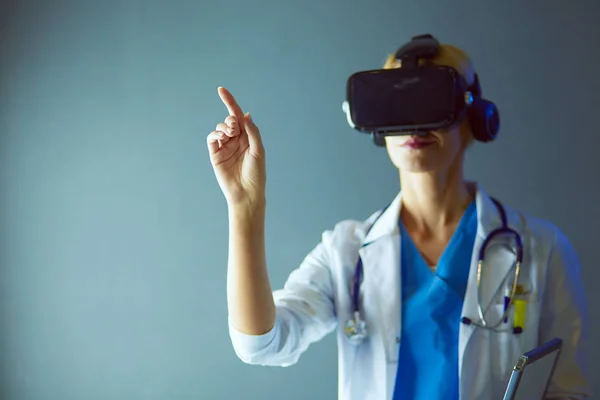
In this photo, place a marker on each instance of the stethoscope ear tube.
(356, 328)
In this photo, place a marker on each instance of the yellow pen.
(520, 312)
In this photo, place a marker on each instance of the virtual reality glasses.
(417, 98)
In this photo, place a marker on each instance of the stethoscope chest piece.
(356, 329)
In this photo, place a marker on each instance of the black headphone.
(482, 114)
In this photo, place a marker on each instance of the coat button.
(397, 339)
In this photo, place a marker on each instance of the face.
(437, 151)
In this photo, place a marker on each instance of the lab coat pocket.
(505, 344)
(509, 344)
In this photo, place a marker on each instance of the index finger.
(229, 101)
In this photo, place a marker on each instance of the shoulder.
(534, 228)
(349, 232)
(546, 241)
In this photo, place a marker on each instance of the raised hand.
(238, 156)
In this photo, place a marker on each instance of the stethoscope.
(356, 328)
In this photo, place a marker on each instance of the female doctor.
(419, 259)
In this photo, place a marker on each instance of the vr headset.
(415, 99)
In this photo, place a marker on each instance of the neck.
(433, 201)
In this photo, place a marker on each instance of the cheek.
(455, 144)
(454, 141)
(391, 141)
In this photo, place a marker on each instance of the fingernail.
(250, 117)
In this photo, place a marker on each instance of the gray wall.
(114, 231)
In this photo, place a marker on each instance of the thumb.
(253, 133)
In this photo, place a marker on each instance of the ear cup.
(485, 119)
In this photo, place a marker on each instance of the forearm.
(249, 295)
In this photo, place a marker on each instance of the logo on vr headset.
(406, 82)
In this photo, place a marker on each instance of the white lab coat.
(316, 300)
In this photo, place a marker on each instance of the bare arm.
(238, 159)
(266, 328)
(249, 295)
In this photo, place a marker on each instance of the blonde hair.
(447, 55)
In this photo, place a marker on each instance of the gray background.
(114, 230)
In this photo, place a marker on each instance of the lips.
(417, 143)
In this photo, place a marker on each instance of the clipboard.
(532, 372)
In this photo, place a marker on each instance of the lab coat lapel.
(380, 254)
(498, 262)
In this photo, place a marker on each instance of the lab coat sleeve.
(564, 315)
(305, 313)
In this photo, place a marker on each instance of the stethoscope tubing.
(483, 323)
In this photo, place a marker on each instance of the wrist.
(247, 209)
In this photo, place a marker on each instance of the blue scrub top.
(431, 311)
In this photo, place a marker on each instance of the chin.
(416, 166)
(417, 169)
(429, 159)
(415, 161)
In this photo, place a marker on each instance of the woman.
(419, 258)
